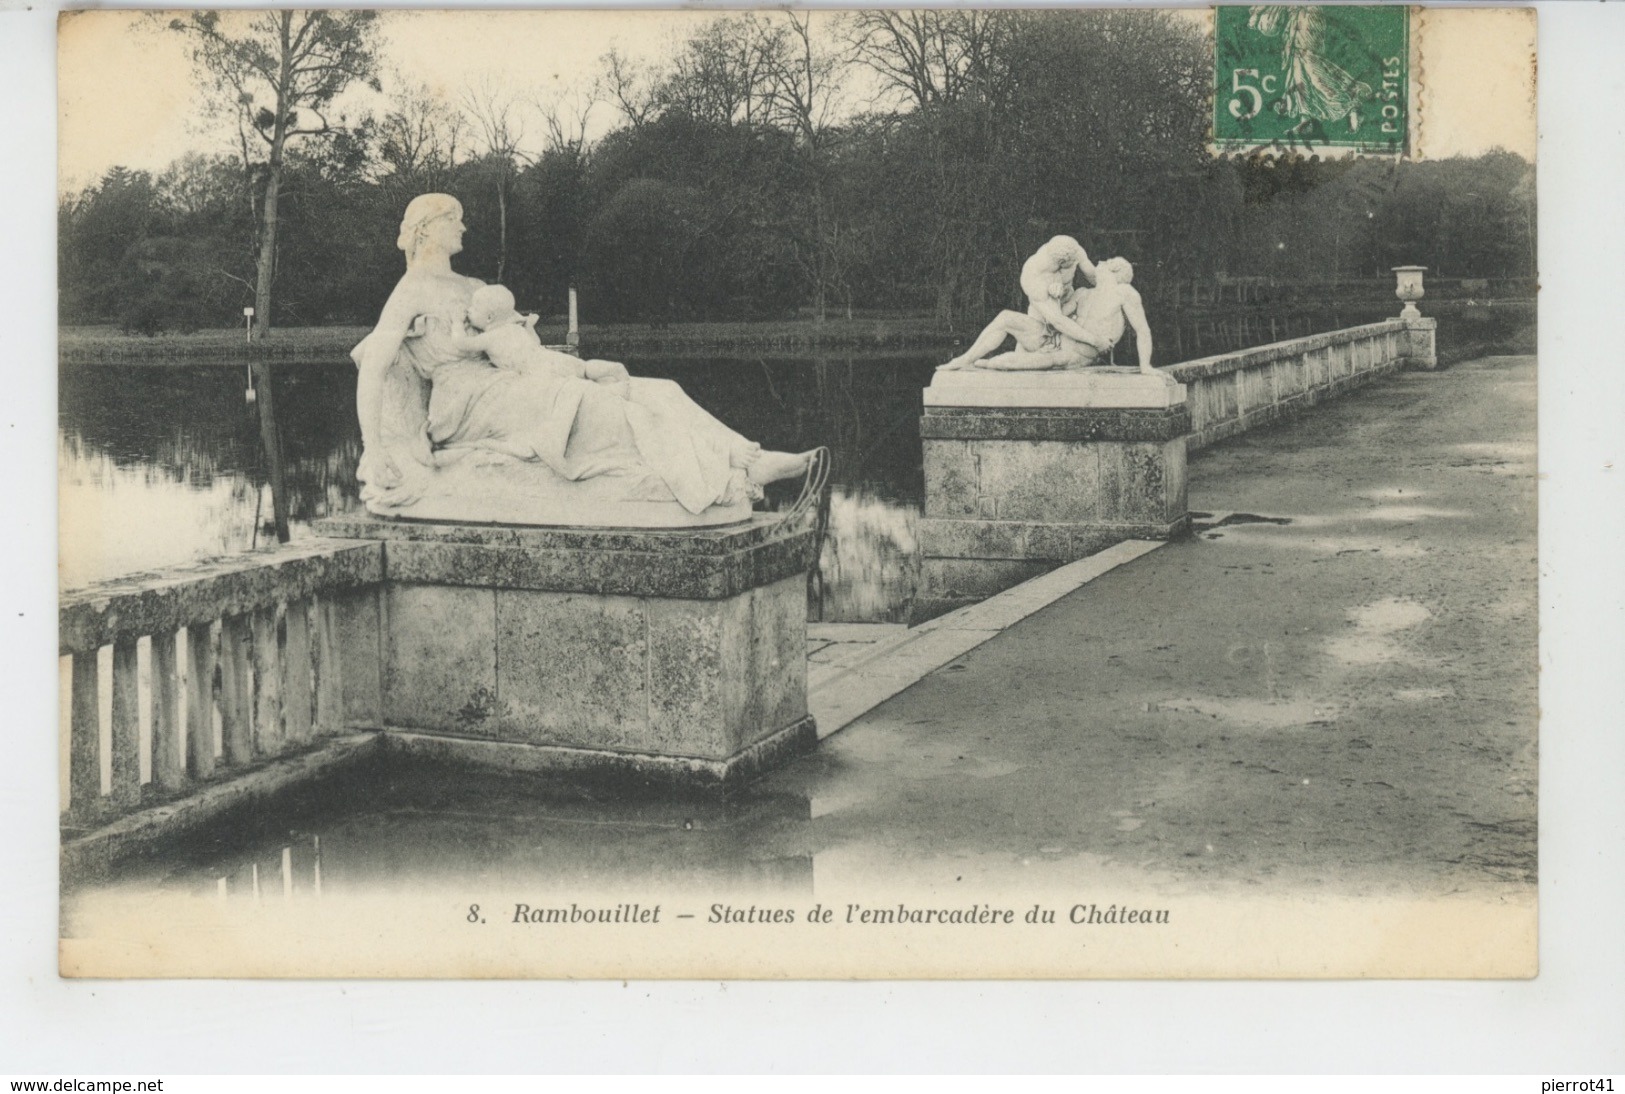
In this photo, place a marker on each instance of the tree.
(278, 72)
(930, 56)
(494, 109)
(804, 80)
(97, 228)
(418, 138)
(722, 74)
(633, 89)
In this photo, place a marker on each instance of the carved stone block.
(1026, 472)
(665, 656)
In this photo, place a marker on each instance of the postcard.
(800, 494)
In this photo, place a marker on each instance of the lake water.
(160, 464)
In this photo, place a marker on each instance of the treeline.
(741, 181)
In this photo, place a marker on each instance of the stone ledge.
(599, 570)
(1218, 365)
(762, 528)
(980, 540)
(1054, 424)
(1101, 387)
(181, 596)
(670, 772)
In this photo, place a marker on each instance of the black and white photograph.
(957, 493)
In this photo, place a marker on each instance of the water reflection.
(870, 563)
(398, 825)
(160, 464)
(121, 517)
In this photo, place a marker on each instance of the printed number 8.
(1240, 89)
(474, 914)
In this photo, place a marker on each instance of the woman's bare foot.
(958, 364)
(773, 466)
(744, 455)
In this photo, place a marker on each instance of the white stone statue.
(509, 340)
(1065, 326)
(483, 423)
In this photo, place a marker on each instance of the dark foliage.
(728, 194)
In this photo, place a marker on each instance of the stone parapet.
(270, 649)
(202, 592)
(1234, 392)
(1224, 363)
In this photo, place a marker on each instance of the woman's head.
(426, 215)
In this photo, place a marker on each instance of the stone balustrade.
(234, 662)
(677, 657)
(1234, 392)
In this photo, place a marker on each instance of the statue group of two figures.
(1066, 325)
(466, 416)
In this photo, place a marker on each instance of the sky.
(127, 95)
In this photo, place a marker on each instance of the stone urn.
(1409, 289)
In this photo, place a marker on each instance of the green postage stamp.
(1312, 78)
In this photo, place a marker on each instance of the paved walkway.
(1340, 694)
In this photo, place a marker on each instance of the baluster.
(267, 683)
(200, 701)
(168, 762)
(84, 737)
(126, 723)
(236, 691)
(329, 689)
(296, 673)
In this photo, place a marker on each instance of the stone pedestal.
(1419, 349)
(669, 656)
(1026, 471)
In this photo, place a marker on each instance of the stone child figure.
(509, 340)
(1064, 327)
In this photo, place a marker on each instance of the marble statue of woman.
(447, 435)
